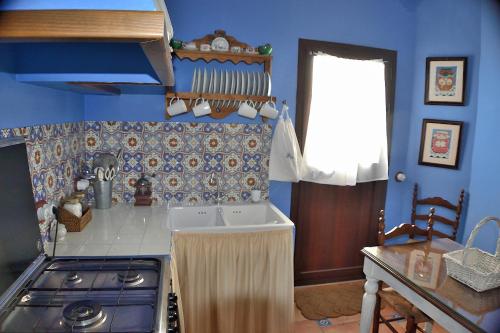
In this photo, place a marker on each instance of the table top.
(420, 266)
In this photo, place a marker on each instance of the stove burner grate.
(73, 278)
(130, 278)
(83, 314)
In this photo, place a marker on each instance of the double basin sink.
(238, 217)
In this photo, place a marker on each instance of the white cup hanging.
(176, 106)
(269, 110)
(202, 108)
(247, 110)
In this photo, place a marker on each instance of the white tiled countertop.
(122, 230)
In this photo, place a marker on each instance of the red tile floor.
(348, 324)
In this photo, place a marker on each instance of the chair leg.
(428, 327)
(376, 315)
(411, 326)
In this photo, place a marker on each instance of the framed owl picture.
(440, 143)
(445, 81)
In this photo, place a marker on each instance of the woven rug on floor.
(330, 300)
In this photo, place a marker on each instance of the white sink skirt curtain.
(346, 141)
(234, 282)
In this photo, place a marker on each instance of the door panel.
(335, 222)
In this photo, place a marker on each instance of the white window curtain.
(346, 140)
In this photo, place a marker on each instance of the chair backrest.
(411, 230)
(440, 204)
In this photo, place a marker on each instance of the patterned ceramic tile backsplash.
(54, 156)
(183, 155)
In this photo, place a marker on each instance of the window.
(345, 139)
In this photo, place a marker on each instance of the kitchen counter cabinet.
(122, 230)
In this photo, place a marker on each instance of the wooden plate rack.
(222, 104)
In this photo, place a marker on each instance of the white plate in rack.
(268, 80)
(193, 82)
(211, 82)
(222, 85)
(233, 82)
(259, 84)
(254, 83)
(205, 81)
(243, 88)
(228, 83)
(227, 89)
(222, 82)
(198, 82)
(216, 82)
(248, 80)
(237, 83)
(264, 84)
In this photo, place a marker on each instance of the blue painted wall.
(416, 29)
(485, 176)
(385, 24)
(443, 28)
(24, 104)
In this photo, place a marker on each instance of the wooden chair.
(406, 310)
(412, 229)
(441, 204)
(409, 312)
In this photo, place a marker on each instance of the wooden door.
(335, 222)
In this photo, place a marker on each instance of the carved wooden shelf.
(222, 57)
(235, 58)
(222, 105)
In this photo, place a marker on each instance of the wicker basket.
(73, 223)
(473, 267)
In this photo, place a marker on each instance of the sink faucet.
(215, 180)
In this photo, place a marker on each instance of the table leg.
(369, 300)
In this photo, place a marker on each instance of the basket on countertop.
(72, 222)
(473, 267)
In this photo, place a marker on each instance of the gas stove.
(39, 293)
(92, 295)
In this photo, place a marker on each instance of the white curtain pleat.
(346, 140)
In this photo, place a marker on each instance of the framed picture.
(440, 143)
(445, 80)
(423, 268)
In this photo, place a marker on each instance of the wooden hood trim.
(144, 27)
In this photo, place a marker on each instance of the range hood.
(149, 30)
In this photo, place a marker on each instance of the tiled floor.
(348, 324)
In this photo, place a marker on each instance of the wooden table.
(417, 271)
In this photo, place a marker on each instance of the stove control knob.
(172, 316)
(172, 307)
(172, 297)
(173, 330)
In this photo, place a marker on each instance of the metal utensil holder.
(102, 193)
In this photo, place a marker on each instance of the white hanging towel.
(286, 159)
